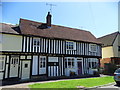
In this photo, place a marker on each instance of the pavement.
(25, 85)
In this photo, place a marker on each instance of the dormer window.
(70, 45)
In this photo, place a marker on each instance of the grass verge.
(87, 82)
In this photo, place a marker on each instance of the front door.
(14, 65)
(25, 69)
(79, 68)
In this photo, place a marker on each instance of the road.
(109, 87)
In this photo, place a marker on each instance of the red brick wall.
(104, 60)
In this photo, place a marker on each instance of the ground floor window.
(2, 63)
(93, 63)
(14, 60)
(42, 62)
(69, 62)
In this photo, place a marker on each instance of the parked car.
(117, 76)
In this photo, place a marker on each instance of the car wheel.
(117, 82)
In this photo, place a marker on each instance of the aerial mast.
(51, 5)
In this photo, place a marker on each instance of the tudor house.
(34, 49)
(110, 49)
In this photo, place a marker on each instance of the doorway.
(25, 69)
(79, 64)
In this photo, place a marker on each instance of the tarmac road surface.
(109, 87)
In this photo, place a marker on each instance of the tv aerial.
(51, 5)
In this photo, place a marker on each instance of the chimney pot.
(48, 19)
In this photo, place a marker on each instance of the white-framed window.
(14, 60)
(93, 47)
(2, 63)
(42, 62)
(93, 63)
(69, 62)
(70, 45)
(36, 43)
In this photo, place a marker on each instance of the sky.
(100, 18)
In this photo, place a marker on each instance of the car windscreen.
(117, 71)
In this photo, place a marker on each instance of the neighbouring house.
(41, 50)
(110, 49)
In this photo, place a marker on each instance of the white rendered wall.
(11, 42)
(35, 65)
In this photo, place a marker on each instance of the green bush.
(109, 68)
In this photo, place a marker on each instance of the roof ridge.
(109, 34)
(55, 25)
(8, 24)
(57, 31)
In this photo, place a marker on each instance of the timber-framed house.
(36, 50)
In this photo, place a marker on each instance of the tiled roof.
(56, 31)
(28, 27)
(108, 40)
(7, 28)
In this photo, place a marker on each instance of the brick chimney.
(48, 19)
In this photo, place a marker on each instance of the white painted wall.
(11, 42)
(53, 68)
(6, 72)
(107, 52)
(67, 71)
(35, 65)
(1, 76)
(115, 46)
(42, 71)
(52, 59)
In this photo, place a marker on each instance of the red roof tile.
(56, 31)
(28, 27)
(7, 28)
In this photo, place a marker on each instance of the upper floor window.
(42, 62)
(2, 63)
(36, 44)
(70, 45)
(118, 48)
(93, 47)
